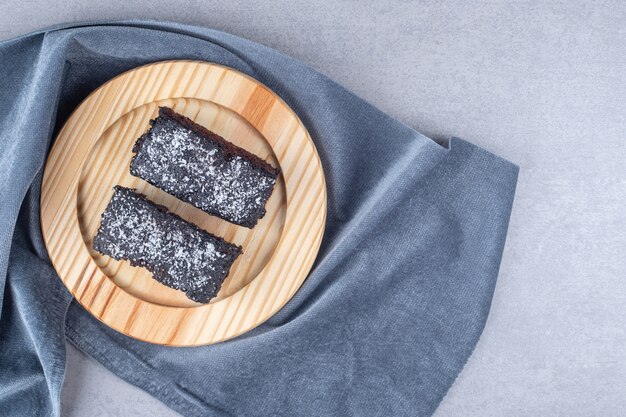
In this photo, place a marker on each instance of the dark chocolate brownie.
(178, 253)
(200, 167)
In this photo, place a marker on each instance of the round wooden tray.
(92, 154)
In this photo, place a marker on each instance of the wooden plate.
(92, 154)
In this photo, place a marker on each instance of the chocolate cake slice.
(200, 167)
(178, 253)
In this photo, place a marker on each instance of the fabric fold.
(396, 300)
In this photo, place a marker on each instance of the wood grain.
(92, 154)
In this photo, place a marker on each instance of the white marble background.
(541, 83)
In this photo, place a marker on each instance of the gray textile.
(392, 309)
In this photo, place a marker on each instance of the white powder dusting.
(178, 254)
(196, 170)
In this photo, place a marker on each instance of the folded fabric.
(391, 310)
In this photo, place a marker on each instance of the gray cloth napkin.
(394, 304)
